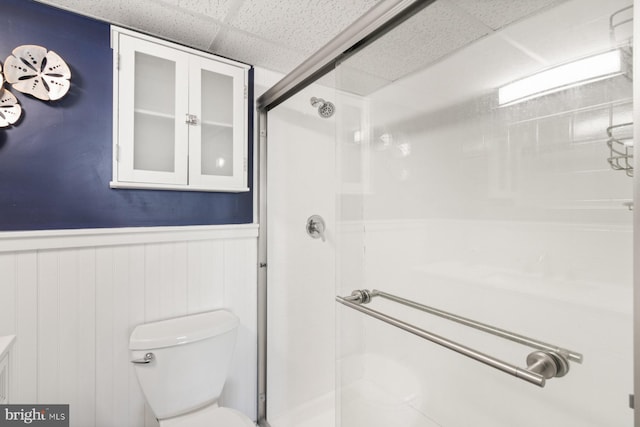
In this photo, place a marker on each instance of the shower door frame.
(377, 21)
(380, 19)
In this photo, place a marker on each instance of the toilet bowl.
(182, 364)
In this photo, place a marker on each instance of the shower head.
(325, 108)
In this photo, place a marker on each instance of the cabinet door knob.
(191, 119)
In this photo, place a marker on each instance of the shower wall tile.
(73, 311)
(301, 273)
(569, 284)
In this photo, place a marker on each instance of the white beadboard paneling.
(8, 300)
(48, 327)
(72, 276)
(26, 348)
(128, 303)
(8, 306)
(104, 336)
(12, 241)
(135, 296)
(166, 286)
(73, 310)
(68, 302)
(206, 276)
(85, 392)
(241, 389)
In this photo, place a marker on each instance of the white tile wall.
(510, 216)
(72, 310)
(569, 285)
(301, 274)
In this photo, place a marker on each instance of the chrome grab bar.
(550, 361)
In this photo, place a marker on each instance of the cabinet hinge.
(245, 164)
(246, 92)
(117, 152)
(632, 403)
(118, 61)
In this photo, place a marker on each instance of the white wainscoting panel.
(73, 309)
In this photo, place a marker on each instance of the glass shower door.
(486, 171)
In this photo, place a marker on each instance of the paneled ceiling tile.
(217, 9)
(106, 11)
(422, 40)
(304, 25)
(241, 46)
(170, 23)
(499, 13)
(359, 81)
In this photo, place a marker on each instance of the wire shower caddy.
(620, 135)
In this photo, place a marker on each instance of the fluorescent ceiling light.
(562, 77)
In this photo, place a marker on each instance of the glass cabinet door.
(153, 103)
(217, 133)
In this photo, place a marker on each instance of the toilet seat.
(211, 416)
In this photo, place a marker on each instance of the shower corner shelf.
(620, 143)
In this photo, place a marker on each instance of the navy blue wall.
(55, 163)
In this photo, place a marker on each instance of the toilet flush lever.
(148, 358)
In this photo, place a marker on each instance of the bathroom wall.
(56, 162)
(542, 247)
(72, 297)
(510, 216)
(73, 301)
(546, 276)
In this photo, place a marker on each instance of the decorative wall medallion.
(33, 70)
(10, 110)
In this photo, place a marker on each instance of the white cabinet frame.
(187, 174)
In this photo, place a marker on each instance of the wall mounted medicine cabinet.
(180, 117)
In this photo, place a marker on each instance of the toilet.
(182, 365)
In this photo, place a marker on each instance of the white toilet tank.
(190, 361)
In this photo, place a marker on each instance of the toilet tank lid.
(182, 330)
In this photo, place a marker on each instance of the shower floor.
(363, 403)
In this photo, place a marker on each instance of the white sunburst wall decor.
(34, 71)
(10, 110)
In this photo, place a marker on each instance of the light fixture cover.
(582, 71)
(33, 70)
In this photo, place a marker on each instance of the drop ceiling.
(279, 34)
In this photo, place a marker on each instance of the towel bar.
(548, 362)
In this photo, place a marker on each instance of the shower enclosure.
(453, 244)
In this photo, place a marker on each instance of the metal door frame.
(381, 18)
